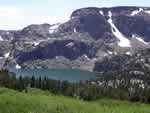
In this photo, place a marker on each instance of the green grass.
(36, 101)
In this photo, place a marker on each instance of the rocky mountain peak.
(90, 35)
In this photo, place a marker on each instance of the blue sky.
(16, 14)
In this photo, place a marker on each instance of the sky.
(17, 14)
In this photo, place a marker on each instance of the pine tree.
(32, 82)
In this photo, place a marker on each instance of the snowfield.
(123, 41)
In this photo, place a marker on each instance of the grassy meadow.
(37, 101)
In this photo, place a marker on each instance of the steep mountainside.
(137, 62)
(90, 35)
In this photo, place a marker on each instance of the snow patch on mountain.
(140, 39)
(53, 28)
(148, 11)
(115, 53)
(101, 12)
(109, 52)
(75, 30)
(137, 11)
(128, 53)
(1, 57)
(36, 43)
(7, 33)
(61, 57)
(7, 55)
(94, 59)
(70, 44)
(18, 66)
(1, 39)
(123, 41)
(86, 57)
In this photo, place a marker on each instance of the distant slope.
(36, 101)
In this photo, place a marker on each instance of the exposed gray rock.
(85, 39)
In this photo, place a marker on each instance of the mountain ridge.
(90, 35)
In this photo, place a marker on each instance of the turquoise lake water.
(70, 75)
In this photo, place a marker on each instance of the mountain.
(138, 62)
(89, 36)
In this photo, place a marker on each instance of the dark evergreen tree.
(33, 82)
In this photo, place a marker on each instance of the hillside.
(137, 62)
(90, 35)
(36, 101)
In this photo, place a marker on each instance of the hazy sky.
(16, 14)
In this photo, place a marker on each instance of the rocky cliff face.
(90, 35)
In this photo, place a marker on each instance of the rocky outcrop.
(136, 64)
(90, 35)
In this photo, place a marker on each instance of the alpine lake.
(71, 75)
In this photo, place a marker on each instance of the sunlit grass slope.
(37, 101)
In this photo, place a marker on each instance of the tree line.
(106, 85)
